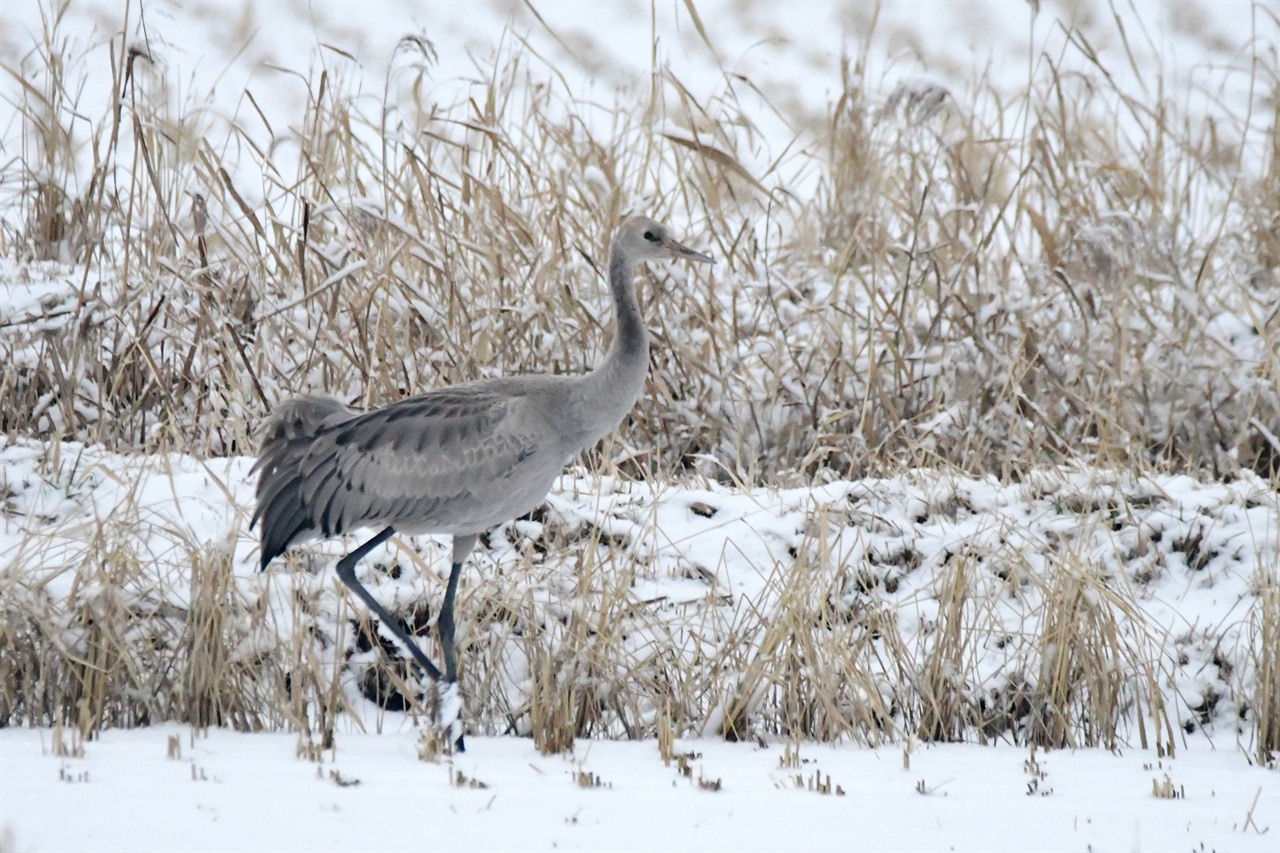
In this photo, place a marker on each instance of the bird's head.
(643, 239)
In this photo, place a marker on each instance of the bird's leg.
(445, 625)
(347, 571)
(448, 697)
(449, 700)
(448, 711)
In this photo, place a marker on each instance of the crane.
(457, 460)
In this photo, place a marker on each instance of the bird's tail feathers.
(304, 416)
(284, 439)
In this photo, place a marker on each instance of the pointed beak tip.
(699, 257)
(679, 251)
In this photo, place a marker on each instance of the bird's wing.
(415, 459)
(294, 424)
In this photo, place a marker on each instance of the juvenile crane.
(458, 460)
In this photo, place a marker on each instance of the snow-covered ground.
(1174, 563)
(706, 563)
(137, 791)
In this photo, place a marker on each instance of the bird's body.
(457, 460)
(490, 451)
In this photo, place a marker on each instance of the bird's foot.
(444, 734)
(449, 714)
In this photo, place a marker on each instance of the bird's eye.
(651, 237)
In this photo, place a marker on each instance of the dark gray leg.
(445, 625)
(347, 571)
(451, 709)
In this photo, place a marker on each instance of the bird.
(457, 460)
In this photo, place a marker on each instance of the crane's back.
(459, 460)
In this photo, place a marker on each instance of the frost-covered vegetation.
(974, 292)
(922, 277)
(1069, 609)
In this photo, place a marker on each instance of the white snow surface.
(227, 791)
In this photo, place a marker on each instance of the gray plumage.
(458, 460)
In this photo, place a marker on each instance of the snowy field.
(133, 791)
(841, 662)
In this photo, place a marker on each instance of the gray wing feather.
(446, 461)
(294, 423)
(413, 460)
(304, 416)
(392, 450)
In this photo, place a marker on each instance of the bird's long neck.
(629, 353)
(611, 389)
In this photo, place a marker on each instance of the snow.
(707, 562)
(227, 791)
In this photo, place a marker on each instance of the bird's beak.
(678, 251)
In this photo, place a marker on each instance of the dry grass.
(1036, 632)
(990, 290)
(1265, 621)
(984, 283)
